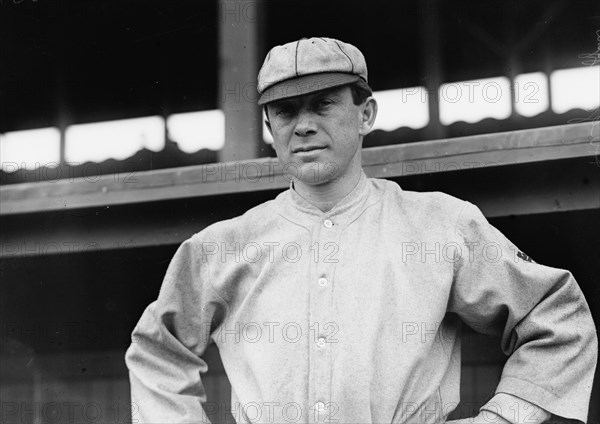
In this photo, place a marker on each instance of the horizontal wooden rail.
(447, 155)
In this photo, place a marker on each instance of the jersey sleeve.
(539, 313)
(165, 357)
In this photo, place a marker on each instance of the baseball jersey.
(353, 315)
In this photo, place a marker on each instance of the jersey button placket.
(320, 317)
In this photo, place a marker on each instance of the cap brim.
(306, 84)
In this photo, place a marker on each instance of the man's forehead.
(335, 91)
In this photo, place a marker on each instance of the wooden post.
(431, 63)
(239, 62)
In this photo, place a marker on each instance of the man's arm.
(542, 318)
(164, 358)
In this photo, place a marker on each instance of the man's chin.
(314, 182)
(314, 173)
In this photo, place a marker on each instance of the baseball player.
(341, 300)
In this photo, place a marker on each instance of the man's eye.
(284, 111)
(324, 103)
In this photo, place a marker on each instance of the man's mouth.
(307, 149)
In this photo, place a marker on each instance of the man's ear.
(268, 124)
(367, 116)
(265, 115)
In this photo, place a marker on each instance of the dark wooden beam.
(95, 363)
(520, 189)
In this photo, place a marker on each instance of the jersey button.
(321, 342)
(327, 223)
(322, 281)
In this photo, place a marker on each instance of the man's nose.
(305, 124)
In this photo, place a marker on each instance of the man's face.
(317, 136)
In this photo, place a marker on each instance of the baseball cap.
(308, 65)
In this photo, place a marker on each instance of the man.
(341, 299)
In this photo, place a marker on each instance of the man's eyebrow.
(283, 103)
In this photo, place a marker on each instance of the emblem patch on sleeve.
(524, 256)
